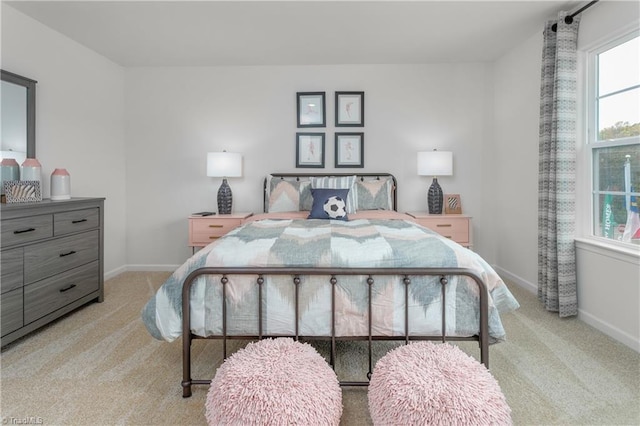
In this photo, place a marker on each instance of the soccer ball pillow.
(335, 207)
(329, 204)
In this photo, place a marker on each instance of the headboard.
(300, 176)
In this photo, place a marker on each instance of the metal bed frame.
(333, 274)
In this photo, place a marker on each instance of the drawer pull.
(213, 238)
(67, 288)
(79, 221)
(216, 226)
(22, 231)
(68, 253)
(444, 225)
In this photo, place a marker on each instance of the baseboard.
(519, 281)
(140, 268)
(611, 331)
(595, 322)
(115, 272)
(152, 268)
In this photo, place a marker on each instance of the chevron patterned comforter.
(371, 243)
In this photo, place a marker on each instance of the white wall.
(608, 281)
(609, 292)
(176, 115)
(515, 151)
(79, 117)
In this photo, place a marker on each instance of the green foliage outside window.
(622, 129)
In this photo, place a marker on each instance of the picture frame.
(452, 204)
(349, 109)
(22, 191)
(311, 109)
(349, 150)
(310, 150)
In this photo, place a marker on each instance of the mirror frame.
(30, 85)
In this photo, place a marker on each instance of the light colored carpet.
(99, 366)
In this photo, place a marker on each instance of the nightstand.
(454, 226)
(206, 229)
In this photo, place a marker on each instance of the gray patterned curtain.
(556, 169)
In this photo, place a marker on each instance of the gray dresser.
(52, 261)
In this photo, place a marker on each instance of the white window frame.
(590, 138)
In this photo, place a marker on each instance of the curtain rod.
(569, 18)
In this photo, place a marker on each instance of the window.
(614, 139)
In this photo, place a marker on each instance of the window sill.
(624, 252)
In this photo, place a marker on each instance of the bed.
(330, 259)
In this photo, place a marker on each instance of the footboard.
(333, 275)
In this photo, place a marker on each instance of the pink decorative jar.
(60, 185)
(10, 170)
(31, 170)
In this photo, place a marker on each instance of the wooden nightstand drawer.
(455, 227)
(457, 230)
(204, 230)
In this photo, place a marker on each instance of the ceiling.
(220, 33)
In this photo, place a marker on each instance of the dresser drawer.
(53, 293)
(204, 231)
(75, 221)
(53, 257)
(12, 263)
(26, 229)
(11, 309)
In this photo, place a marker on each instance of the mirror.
(18, 117)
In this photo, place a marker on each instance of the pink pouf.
(274, 381)
(435, 384)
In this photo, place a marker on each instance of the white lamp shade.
(435, 163)
(224, 164)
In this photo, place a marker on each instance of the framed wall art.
(349, 109)
(311, 109)
(349, 150)
(22, 191)
(452, 204)
(310, 150)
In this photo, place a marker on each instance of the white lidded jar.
(60, 185)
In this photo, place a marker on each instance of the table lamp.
(435, 163)
(224, 164)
